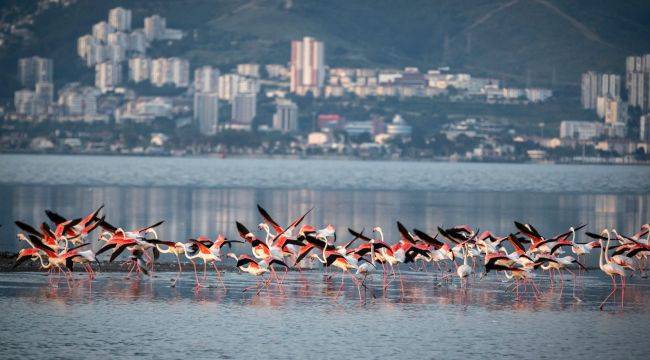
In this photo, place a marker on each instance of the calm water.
(121, 318)
(205, 196)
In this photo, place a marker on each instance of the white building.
(277, 71)
(580, 130)
(252, 70)
(206, 79)
(180, 72)
(24, 102)
(228, 86)
(644, 128)
(83, 44)
(139, 68)
(101, 31)
(96, 53)
(244, 109)
(115, 53)
(399, 127)
(154, 27)
(108, 75)
(120, 19)
(138, 41)
(159, 72)
(595, 85)
(118, 38)
(79, 101)
(33, 70)
(285, 118)
(307, 66)
(206, 112)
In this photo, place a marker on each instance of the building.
(120, 19)
(595, 85)
(644, 128)
(637, 81)
(139, 68)
(180, 72)
(206, 79)
(244, 109)
(399, 127)
(24, 102)
(206, 112)
(118, 38)
(307, 66)
(101, 31)
(580, 130)
(43, 97)
(615, 111)
(96, 53)
(277, 71)
(108, 75)
(78, 101)
(115, 53)
(286, 116)
(159, 72)
(154, 27)
(83, 44)
(252, 70)
(638, 91)
(228, 86)
(33, 70)
(138, 41)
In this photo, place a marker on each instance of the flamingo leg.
(610, 294)
(219, 276)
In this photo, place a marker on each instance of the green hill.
(539, 42)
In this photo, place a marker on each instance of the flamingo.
(610, 268)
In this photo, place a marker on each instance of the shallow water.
(122, 318)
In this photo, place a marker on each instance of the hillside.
(540, 42)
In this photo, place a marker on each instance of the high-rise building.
(118, 38)
(638, 90)
(206, 112)
(115, 53)
(637, 81)
(83, 44)
(33, 70)
(24, 102)
(286, 116)
(43, 97)
(174, 71)
(101, 31)
(159, 72)
(615, 111)
(97, 53)
(108, 75)
(206, 79)
(138, 41)
(252, 70)
(120, 18)
(228, 86)
(78, 101)
(244, 109)
(596, 85)
(139, 68)
(154, 27)
(180, 72)
(644, 128)
(307, 66)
